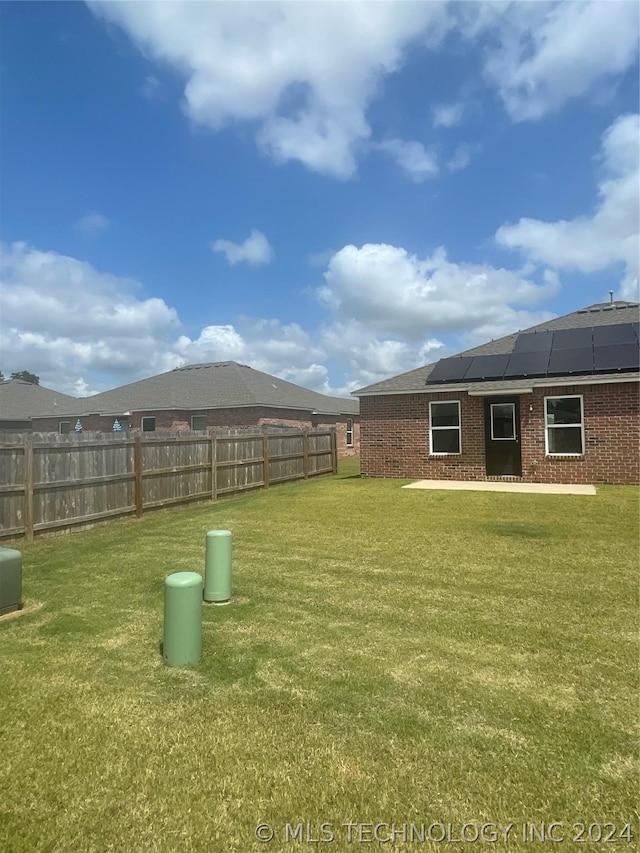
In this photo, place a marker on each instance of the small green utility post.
(182, 619)
(10, 580)
(217, 575)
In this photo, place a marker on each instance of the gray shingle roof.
(224, 384)
(603, 314)
(20, 400)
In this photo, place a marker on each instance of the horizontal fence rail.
(52, 485)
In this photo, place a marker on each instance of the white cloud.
(447, 115)
(255, 250)
(398, 294)
(324, 143)
(388, 313)
(151, 88)
(81, 388)
(412, 157)
(92, 223)
(63, 319)
(215, 343)
(461, 158)
(608, 236)
(551, 52)
(315, 376)
(304, 72)
(369, 358)
(284, 350)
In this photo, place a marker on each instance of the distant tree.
(26, 376)
(1, 376)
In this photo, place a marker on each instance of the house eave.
(493, 392)
(475, 389)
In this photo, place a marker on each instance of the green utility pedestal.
(217, 574)
(182, 619)
(10, 580)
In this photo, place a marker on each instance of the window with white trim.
(349, 432)
(64, 427)
(148, 424)
(444, 428)
(198, 423)
(564, 426)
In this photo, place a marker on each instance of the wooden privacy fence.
(49, 486)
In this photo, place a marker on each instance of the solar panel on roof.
(450, 369)
(620, 333)
(487, 367)
(575, 360)
(534, 342)
(572, 338)
(618, 357)
(527, 364)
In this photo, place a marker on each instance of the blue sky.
(330, 192)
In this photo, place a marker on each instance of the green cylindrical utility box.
(217, 573)
(182, 619)
(10, 580)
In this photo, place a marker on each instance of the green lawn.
(390, 657)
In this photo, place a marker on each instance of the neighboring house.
(203, 397)
(556, 403)
(21, 401)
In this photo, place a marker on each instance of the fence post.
(28, 490)
(214, 467)
(334, 452)
(305, 454)
(265, 459)
(137, 467)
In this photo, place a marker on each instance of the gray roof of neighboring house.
(604, 314)
(20, 400)
(217, 385)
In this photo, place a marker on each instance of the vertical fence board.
(137, 468)
(214, 477)
(265, 460)
(28, 490)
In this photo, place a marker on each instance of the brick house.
(204, 397)
(21, 401)
(555, 403)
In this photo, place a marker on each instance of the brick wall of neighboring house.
(395, 437)
(238, 418)
(90, 423)
(15, 426)
(340, 424)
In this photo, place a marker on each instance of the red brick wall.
(90, 423)
(240, 418)
(340, 424)
(395, 437)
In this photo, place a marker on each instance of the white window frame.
(204, 428)
(64, 423)
(433, 452)
(148, 418)
(513, 437)
(349, 436)
(579, 426)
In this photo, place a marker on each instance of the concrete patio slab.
(493, 486)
